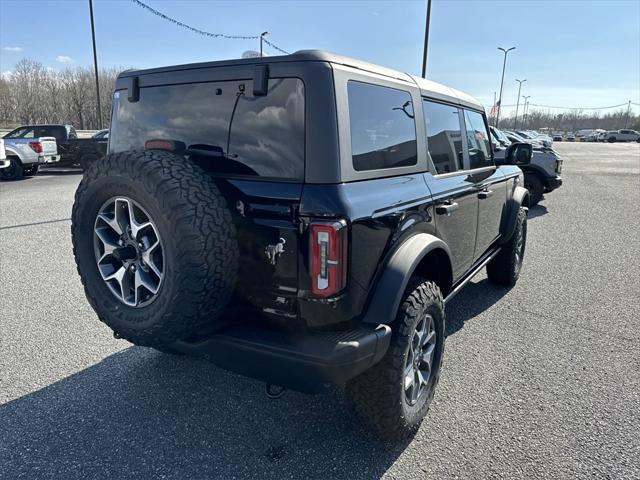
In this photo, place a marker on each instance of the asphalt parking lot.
(540, 381)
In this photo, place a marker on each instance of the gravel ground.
(540, 381)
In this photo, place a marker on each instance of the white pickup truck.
(25, 153)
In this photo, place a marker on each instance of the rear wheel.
(155, 246)
(394, 395)
(14, 171)
(535, 186)
(505, 268)
(611, 139)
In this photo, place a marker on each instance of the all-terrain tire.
(378, 394)
(535, 186)
(200, 252)
(14, 171)
(505, 268)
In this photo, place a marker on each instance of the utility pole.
(262, 35)
(95, 64)
(626, 120)
(504, 64)
(526, 110)
(515, 120)
(426, 41)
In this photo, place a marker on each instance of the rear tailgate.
(49, 146)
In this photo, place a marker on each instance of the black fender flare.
(392, 283)
(536, 170)
(519, 198)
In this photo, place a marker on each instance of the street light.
(504, 64)
(262, 35)
(515, 120)
(526, 110)
(95, 67)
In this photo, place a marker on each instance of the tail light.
(36, 147)
(328, 263)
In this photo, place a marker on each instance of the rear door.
(489, 182)
(452, 186)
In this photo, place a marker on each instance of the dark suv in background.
(302, 220)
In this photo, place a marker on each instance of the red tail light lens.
(328, 262)
(36, 147)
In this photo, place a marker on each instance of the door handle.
(447, 208)
(486, 193)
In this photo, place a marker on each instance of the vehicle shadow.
(143, 414)
(473, 299)
(537, 211)
(60, 172)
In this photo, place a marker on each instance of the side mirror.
(519, 154)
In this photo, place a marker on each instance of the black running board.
(472, 273)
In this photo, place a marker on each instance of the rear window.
(383, 131)
(220, 124)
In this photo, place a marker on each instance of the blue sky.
(572, 53)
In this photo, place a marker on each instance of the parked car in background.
(623, 136)
(74, 152)
(541, 174)
(26, 151)
(602, 136)
(535, 137)
(3, 156)
(101, 134)
(517, 138)
(571, 137)
(557, 138)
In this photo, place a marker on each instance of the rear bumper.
(300, 361)
(48, 158)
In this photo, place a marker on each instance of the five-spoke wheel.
(128, 251)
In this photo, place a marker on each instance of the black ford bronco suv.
(301, 219)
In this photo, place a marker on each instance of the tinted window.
(444, 137)
(220, 125)
(22, 132)
(383, 131)
(477, 140)
(59, 132)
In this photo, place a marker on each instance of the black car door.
(453, 189)
(489, 182)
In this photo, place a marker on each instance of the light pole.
(95, 65)
(426, 41)
(525, 111)
(504, 64)
(262, 35)
(626, 120)
(515, 120)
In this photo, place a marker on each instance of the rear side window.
(477, 140)
(444, 137)
(383, 131)
(221, 125)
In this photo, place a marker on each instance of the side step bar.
(472, 274)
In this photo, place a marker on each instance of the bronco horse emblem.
(273, 252)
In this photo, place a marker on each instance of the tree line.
(572, 120)
(33, 94)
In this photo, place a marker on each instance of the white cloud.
(64, 59)
(12, 49)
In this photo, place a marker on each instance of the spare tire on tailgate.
(154, 244)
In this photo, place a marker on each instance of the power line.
(579, 108)
(203, 32)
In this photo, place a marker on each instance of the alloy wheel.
(128, 251)
(419, 363)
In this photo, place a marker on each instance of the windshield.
(525, 135)
(501, 136)
(519, 138)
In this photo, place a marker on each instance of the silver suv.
(623, 136)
